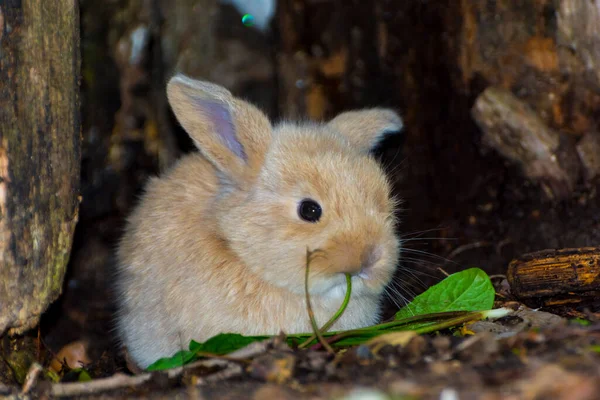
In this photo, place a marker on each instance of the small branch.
(118, 381)
(230, 371)
(31, 378)
(466, 247)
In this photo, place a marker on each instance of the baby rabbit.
(218, 244)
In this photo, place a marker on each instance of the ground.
(531, 354)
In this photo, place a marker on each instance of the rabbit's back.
(167, 244)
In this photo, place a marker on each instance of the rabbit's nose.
(370, 256)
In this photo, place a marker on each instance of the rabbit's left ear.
(231, 133)
(366, 128)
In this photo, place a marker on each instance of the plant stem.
(393, 324)
(311, 314)
(336, 316)
(419, 319)
(473, 316)
(342, 308)
(459, 318)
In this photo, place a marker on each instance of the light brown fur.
(216, 244)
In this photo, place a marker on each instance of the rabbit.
(218, 243)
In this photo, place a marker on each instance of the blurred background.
(468, 201)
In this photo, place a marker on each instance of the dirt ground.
(531, 354)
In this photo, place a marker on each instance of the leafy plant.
(580, 321)
(468, 290)
(460, 298)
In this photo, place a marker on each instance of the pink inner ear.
(219, 115)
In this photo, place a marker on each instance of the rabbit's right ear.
(232, 134)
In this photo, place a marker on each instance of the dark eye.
(309, 210)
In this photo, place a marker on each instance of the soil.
(531, 354)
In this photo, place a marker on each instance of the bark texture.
(39, 154)
(556, 277)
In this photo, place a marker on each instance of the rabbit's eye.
(309, 210)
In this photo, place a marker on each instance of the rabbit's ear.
(232, 134)
(366, 128)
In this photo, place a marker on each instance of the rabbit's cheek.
(281, 279)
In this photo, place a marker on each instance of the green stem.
(342, 308)
(388, 325)
(336, 316)
(420, 318)
(311, 314)
(462, 318)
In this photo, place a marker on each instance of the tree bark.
(40, 143)
(556, 277)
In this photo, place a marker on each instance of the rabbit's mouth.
(365, 273)
(364, 281)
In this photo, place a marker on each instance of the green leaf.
(179, 359)
(53, 376)
(221, 344)
(468, 290)
(595, 348)
(224, 343)
(581, 321)
(84, 376)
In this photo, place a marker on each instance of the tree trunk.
(40, 142)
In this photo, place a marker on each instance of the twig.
(253, 349)
(116, 381)
(230, 371)
(501, 244)
(222, 357)
(31, 377)
(39, 343)
(119, 380)
(465, 247)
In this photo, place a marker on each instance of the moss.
(19, 355)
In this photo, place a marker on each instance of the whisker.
(423, 238)
(410, 234)
(392, 298)
(426, 253)
(421, 263)
(395, 165)
(418, 282)
(402, 287)
(396, 295)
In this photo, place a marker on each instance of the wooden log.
(546, 53)
(40, 142)
(513, 129)
(554, 277)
